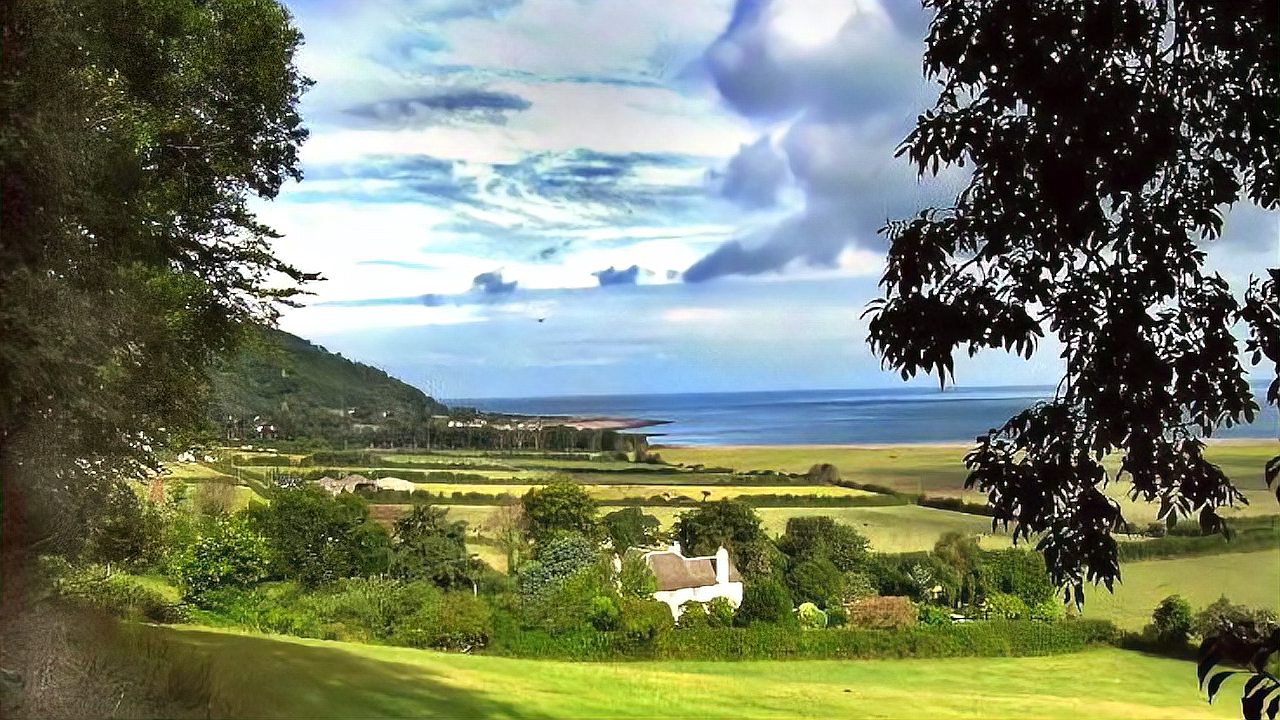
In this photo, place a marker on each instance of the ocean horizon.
(903, 415)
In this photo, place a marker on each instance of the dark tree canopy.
(133, 134)
(1105, 140)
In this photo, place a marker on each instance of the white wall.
(675, 598)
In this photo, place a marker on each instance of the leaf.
(1273, 707)
(1215, 682)
(1208, 658)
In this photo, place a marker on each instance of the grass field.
(932, 469)
(262, 676)
(1251, 579)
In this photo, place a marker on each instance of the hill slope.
(303, 390)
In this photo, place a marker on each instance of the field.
(258, 676)
(1248, 578)
(712, 473)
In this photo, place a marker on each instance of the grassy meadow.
(267, 676)
(1251, 579)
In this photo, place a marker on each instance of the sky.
(558, 197)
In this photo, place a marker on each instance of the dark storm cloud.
(610, 276)
(490, 283)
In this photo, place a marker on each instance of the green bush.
(459, 621)
(1171, 620)
(810, 617)
(934, 615)
(1048, 610)
(226, 552)
(1003, 606)
(605, 613)
(837, 616)
(644, 621)
(720, 612)
(121, 595)
(773, 642)
(693, 614)
(764, 601)
(558, 559)
(1223, 614)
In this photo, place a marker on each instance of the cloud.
(450, 105)
(402, 264)
(836, 86)
(610, 276)
(755, 175)
(490, 283)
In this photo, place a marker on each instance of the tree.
(559, 559)
(729, 523)
(227, 552)
(429, 546)
(960, 553)
(764, 601)
(134, 135)
(1105, 142)
(631, 528)
(317, 538)
(1172, 620)
(561, 507)
(506, 526)
(820, 536)
(816, 581)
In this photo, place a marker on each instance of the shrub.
(816, 581)
(1017, 572)
(1222, 614)
(1171, 620)
(764, 601)
(605, 613)
(837, 616)
(560, 507)
(933, 615)
(810, 617)
(636, 579)
(1048, 610)
(644, 621)
(226, 553)
(558, 559)
(823, 474)
(120, 595)
(883, 612)
(720, 612)
(693, 614)
(1004, 606)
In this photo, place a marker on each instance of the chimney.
(675, 547)
(722, 566)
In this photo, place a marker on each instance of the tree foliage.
(1106, 140)
(729, 523)
(134, 135)
(430, 546)
(317, 538)
(558, 508)
(632, 528)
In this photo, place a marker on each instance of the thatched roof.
(675, 571)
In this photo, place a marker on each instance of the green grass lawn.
(1251, 579)
(262, 676)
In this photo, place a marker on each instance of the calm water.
(896, 415)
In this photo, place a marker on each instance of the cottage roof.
(674, 571)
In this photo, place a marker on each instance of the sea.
(903, 415)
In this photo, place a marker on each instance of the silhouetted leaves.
(1106, 141)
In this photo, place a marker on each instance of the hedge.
(772, 642)
(1249, 534)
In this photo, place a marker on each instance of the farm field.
(267, 676)
(932, 469)
(1251, 579)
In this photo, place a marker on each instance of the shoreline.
(903, 445)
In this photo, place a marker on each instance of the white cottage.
(700, 579)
